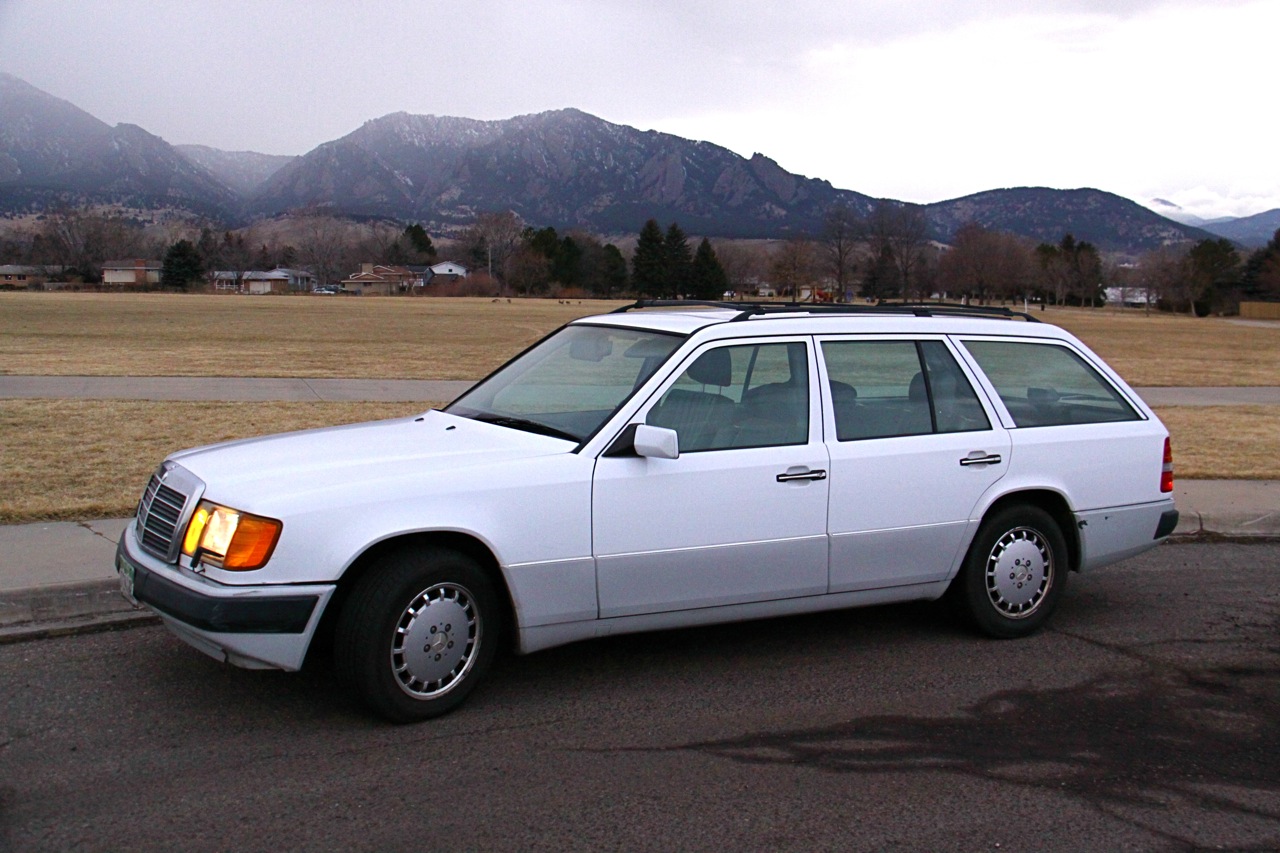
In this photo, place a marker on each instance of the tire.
(1014, 574)
(417, 634)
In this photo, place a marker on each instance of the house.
(381, 280)
(445, 272)
(138, 272)
(225, 281)
(278, 280)
(1131, 297)
(22, 277)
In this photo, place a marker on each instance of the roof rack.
(757, 309)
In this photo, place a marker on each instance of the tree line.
(885, 253)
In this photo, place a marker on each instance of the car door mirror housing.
(656, 442)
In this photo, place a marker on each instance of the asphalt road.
(1146, 718)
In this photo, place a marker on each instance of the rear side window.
(881, 389)
(1048, 385)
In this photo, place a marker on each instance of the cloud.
(915, 99)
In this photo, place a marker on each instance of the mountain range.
(563, 168)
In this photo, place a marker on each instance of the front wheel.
(417, 634)
(1014, 573)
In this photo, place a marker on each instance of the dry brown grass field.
(89, 334)
(73, 459)
(92, 334)
(80, 459)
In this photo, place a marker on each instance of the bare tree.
(745, 264)
(79, 240)
(528, 271)
(793, 266)
(985, 264)
(1162, 273)
(897, 233)
(323, 244)
(495, 237)
(841, 231)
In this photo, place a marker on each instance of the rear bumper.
(1168, 521)
(258, 627)
(1117, 533)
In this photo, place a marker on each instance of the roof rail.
(759, 309)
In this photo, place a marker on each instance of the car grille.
(159, 512)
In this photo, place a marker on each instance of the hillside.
(1110, 222)
(1250, 231)
(52, 152)
(563, 168)
(241, 171)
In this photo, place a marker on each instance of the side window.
(882, 389)
(955, 405)
(1048, 384)
(739, 396)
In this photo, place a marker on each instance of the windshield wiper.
(527, 425)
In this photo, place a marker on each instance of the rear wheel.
(1014, 574)
(417, 634)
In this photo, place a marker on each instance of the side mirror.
(656, 442)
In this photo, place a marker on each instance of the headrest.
(713, 367)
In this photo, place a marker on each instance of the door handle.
(816, 474)
(988, 459)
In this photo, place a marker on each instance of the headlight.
(230, 539)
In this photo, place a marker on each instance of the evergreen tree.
(182, 265)
(649, 263)
(708, 279)
(613, 271)
(1261, 276)
(566, 266)
(679, 262)
(880, 276)
(1215, 271)
(420, 240)
(544, 241)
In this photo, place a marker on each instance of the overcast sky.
(920, 100)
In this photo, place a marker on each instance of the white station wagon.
(665, 465)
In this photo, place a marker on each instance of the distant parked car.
(327, 290)
(650, 469)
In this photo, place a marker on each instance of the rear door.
(913, 448)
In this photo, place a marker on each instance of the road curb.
(28, 614)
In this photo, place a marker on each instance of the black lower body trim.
(1168, 521)
(286, 614)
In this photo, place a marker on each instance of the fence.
(1260, 310)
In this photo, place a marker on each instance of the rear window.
(1048, 385)
(884, 389)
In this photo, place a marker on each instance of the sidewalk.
(59, 578)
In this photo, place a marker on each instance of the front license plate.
(125, 568)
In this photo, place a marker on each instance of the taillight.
(1166, 472)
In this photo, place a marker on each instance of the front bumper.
(257, 627)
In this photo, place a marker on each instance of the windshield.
(570, 383)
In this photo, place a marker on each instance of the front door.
(741, 514)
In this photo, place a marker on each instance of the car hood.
(261, 474)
